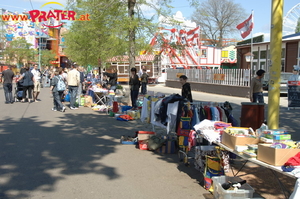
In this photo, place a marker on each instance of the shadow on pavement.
(33, 155)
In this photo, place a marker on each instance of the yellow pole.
(275, 65)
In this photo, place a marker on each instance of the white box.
(246, 191)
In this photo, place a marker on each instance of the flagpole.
(252, 56)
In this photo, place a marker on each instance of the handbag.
(155, 142)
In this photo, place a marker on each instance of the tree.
(218, 19)
(297, 29)
(104, 36)
(116, 28)
(19, 51)
(47, 56)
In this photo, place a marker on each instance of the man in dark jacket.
(186, 88)
(134, 84)
(113, 79)
(8, 76)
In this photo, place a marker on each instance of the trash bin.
(252, 115)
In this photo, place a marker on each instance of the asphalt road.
(77, 154)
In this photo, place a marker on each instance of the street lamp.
(249, 57)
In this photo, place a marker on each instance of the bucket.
(111, 114)
(143, 145)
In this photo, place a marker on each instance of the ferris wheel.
(290, 20)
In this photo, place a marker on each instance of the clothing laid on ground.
(186, 92)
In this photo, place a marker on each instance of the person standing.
(295, 76)
(37, 82)
(57, 95)
(144, 80)
(134, 84)
(186, 88)
(256, 87)
(8, 76)
(28, 84)
(141, 71)
(73, 80)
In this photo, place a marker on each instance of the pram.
(18, 92)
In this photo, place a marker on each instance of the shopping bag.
(67, 98)
(88, 101)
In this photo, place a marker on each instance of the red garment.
(220, 112)
(293, 161)
(207, 112)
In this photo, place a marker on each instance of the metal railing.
(232, 77)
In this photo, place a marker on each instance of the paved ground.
(76, 154)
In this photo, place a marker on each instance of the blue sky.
(262, 10)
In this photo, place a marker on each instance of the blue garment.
(213, 113)
(195, 118)
(73, 93)
(258, 97)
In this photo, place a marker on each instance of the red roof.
(125, 58)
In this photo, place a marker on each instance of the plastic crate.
(246, 191)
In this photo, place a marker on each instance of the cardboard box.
(145, 135)
(272, 156)
(231, 141)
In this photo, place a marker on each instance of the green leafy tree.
(47, 56)
(297, 30)
(18, 51)
(218, 19)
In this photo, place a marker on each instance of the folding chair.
(100, 98)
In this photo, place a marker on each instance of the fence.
(233, 77)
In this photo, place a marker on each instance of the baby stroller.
(18, 92)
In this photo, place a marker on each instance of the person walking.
(8, 76)
(186, 88)
(73, 80)
(144, 80)
(37, 82)
(256, 87)
(57, 92)
(80, 86)
(134, 84)
(27, 84)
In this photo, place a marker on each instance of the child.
(144, 80)
(186, 88)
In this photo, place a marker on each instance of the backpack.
(61, 86)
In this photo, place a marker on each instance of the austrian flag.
(246, 27)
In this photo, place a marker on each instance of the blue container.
(67, 98)
(125, 108)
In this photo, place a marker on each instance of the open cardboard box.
(231, 141)
(272, 156)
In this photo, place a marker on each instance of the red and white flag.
(246, 27)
